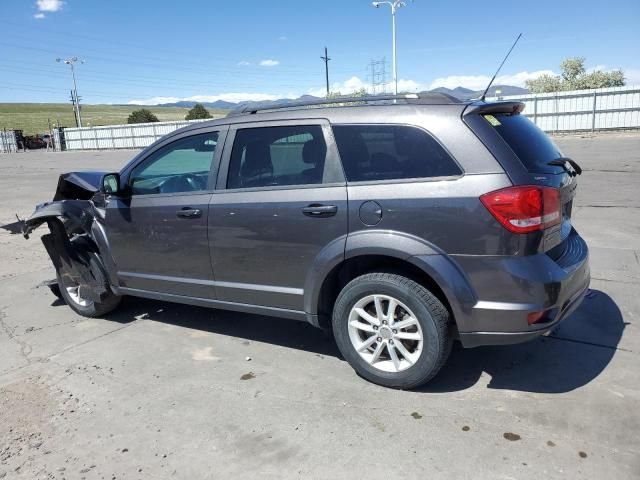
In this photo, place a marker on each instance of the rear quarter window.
(530, 144)
(391, 152)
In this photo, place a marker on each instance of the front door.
(281, 198)
(158, 234)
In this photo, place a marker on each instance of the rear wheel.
(391, 330)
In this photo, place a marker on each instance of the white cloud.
(49, 5)
(227, 97)
(244, 64)
(355, 83)
(348, 86)
(479, 82)
(283, 38)
(39, 15)
(632, 75)
(269, 63)
(472, 82)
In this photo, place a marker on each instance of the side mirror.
(110, 184)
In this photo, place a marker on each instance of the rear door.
(280, 200)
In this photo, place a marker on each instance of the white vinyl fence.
(579, 110)
(111, 137)
(583, 110)
(8, 142)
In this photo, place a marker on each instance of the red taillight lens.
(535, 317)
(524, 209)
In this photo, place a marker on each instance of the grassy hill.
(32, 117)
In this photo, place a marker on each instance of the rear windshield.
(532, 146)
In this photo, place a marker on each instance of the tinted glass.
(532, 146)
(182, 166)
(273, 156)
(389, 152)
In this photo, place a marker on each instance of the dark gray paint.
(254, 250)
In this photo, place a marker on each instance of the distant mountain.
(467, 94)
(458, 92)
(188, 104)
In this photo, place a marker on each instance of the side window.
(390, 152)
(182, 166)
(271, 156)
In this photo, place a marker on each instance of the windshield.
(532, 146)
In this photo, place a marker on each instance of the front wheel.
(392, 330)
(72, 292)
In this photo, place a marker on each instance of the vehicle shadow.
(259, 328)
(576, 353)
(571, 357)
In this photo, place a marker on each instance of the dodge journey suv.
(400, 224)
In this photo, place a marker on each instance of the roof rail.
(411, 98)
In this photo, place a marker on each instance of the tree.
(574, 76)
(197, 112)
(142, 116)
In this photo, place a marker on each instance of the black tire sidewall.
(92, 309)
(432, 350)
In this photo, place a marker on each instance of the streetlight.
(76, 103)
(395, 5)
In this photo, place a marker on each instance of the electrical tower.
(377, 72)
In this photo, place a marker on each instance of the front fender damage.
(71, 245)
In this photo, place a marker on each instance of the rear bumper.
(510, 288)
(478, 339)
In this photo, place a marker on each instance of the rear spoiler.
(483, 108)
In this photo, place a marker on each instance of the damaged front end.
(76, 242)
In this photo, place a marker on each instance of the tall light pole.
(395, 5)
(76, 103)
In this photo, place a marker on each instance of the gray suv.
(399, 223)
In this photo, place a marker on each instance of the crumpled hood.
(78, 185)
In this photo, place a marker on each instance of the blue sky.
(148, 51)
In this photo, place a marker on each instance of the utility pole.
(326, 68)
(74, 94)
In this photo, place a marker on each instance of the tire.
(86, 308)
(423, 334)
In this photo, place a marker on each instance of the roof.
(374, 109)
(435, 98)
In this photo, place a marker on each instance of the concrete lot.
(164, 391)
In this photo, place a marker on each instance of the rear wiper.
(562, 162)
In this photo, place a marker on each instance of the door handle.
(187, 212)
(320, 211)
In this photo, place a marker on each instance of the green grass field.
(31, 118)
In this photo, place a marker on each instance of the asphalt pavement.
(159, 390)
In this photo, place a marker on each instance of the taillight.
(524, 209)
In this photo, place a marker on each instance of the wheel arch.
(388, 252)
(78, 219)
